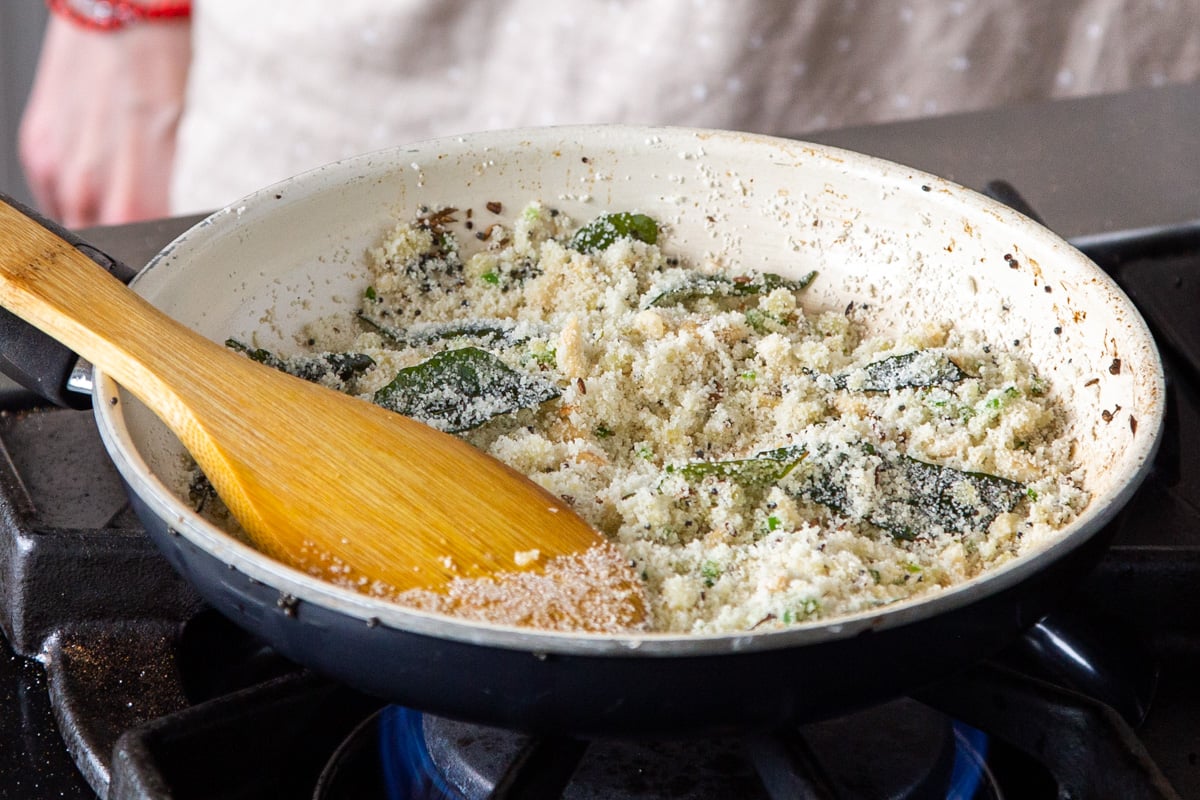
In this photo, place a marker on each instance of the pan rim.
(306, 589)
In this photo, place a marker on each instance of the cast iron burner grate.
(154, 695)
(297, 735)
(901, 749)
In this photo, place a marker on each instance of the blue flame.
(410, 774)
(408, 770)
(970, 757)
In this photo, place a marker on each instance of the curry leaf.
(420, 334)
(315, 367)
(696, 285)
(956, 500)
(919, 368)
(910, 498)
(461, 389)
(906, 497)
(605, 229)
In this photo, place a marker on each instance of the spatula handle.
(55, 287)
(30, 357)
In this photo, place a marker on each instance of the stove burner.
(899, 751)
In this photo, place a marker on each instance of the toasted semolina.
(759, 464)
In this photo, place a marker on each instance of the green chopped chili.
(764, 469)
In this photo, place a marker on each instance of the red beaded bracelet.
(111, 15)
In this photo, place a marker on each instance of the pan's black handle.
(1006, 193)
(30, 357)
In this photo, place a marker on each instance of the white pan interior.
(906, 244)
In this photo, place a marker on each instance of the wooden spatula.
(322, 481)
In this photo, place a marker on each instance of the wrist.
(110, 15)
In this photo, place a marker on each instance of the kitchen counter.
(1099, 164)
(1107, 163)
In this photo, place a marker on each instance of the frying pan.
(903, 246)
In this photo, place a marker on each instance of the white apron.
(279, 87)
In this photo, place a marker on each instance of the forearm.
(98, 135)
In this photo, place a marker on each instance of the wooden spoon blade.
(355, 491)
(319, 480)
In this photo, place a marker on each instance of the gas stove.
(117, 681)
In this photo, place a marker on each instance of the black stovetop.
(124, 684)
